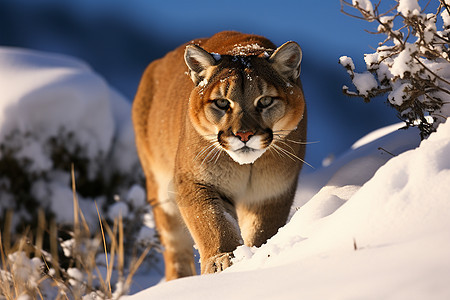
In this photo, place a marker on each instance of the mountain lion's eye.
(222, 104)
(264, 102)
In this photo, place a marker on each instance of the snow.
(364, 4)
(45, 95)
(404, 63)
(245, 50)
(407, 7)
(216, 56)
(402, 60)
(136, 196)
(445, 18)
(377, 229)
(118, 209)
(124, 153)
(430, 28)
(203, 83)
(364, 82)
(387, 21)
(43, 92)
(24, 268)
(375, 135)
(347, 62)
(371, 59)
(398, 95)
(75, 275)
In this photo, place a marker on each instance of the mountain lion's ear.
(198, 61)
(286, 60)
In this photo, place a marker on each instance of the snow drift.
(378, 229)
(42, 93)
(53, 103)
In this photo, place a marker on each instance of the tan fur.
(185, 144)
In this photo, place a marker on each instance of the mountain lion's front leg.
(211, 224)
(260, 221)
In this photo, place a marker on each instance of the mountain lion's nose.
(244, 136)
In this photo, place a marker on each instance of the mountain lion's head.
(247, 99)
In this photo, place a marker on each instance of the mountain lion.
(220, 127)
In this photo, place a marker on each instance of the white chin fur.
(247, 156)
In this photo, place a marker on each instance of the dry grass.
(29, 272)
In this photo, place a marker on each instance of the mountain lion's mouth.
(243, 152)
(246, 149)
(245, 155)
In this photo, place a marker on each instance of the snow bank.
(42, 93)
(56, 112)
(378, 234)
(48, 97)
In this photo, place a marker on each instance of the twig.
(390, 153)
(431, 72)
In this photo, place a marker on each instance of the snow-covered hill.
(375, 230)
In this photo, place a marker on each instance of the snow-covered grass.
(373, 225)
(28, 271)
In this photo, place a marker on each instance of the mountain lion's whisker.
(213, 151)
(302, 143)
(290, 155)
(281, 130)
(271, 148)
(217, 155)
(279, 137)
(204, 150)
(287, 145)
(285, 152)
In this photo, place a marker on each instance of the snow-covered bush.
(57, 115)
(411, 64)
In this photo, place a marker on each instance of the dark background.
(119, 38)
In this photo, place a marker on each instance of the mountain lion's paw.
(218, 263)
